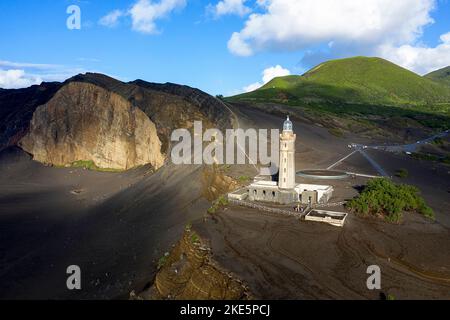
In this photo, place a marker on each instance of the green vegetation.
(359, 88)
(446, 160)
(382, 197)
(222, 201)
(356, 80)
(425, 156)
(194, 238)
(402, 173)
(441, 75)
(163, 260)
(90, 165)
(244, 179)
(438, 141)
(336, 132)
(390, 297)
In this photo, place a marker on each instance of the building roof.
(264, 184)
(312, 187)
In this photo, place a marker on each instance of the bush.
(438, 141)
(162, 261)
(244, 179)
(90, 165)
(336, 132)
(402, 173)
(222, 201)
(390, 297)
(195, 238)
(382, 197)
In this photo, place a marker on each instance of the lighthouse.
(285, 190)
(286, 175)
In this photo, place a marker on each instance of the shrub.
(438, 141)
(244, 179)
(336, 132)
(382, 197)
(162, 261)
(195, 238)
(222, 201)
(90, 165)
(402, 173)
(390, 297)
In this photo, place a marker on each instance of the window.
(273, 194)
(284, 169)
(254, 192)
(264, 192)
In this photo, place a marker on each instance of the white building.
(285, 190)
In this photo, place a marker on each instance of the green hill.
(441, 76)
(369, 96)
(355, 80)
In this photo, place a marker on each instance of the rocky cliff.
(17, 107)
(189, 272)
(85, 122)
(93, 117)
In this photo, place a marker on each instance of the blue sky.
(221, 47)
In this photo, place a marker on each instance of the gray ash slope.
(115, 226)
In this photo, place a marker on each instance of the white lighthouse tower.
(286, 175)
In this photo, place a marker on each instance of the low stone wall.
(265, 208)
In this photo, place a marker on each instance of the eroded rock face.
(85, 122)
(190, 273)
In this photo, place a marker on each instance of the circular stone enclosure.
(323, 174)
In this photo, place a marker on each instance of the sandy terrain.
(283, 258)
(115, 229)
(116, 226)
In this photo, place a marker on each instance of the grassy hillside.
(442, 76)
(355, 80)
(362, 88)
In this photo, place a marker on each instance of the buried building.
(285, 190)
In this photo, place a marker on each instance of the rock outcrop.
(189, 273)
(95, 118)
(85, 122)
(17, 107)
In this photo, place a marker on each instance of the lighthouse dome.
(287, 125)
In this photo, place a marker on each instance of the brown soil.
(189, 272)
(283, 258)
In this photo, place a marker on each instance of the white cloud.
(253, 87)
(225, 7)
(144, 13)
(17, 78)
(111, 19)
(18, 65)
(385, 28)
(267, 75)
(293, 25)
(19, 74)
(420, 59)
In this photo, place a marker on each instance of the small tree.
(390, 200)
